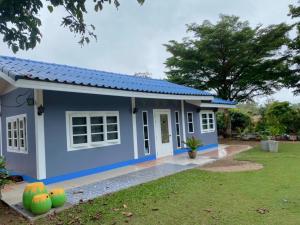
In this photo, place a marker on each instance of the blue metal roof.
(222, 101)
(18, 68)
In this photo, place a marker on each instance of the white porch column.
(134, 132)
(39, 135)
(183, 121)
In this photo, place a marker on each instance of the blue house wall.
(207, 138)
(148, 105)
(12, 104)
(60, 161)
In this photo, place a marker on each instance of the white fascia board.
(44, 85)
(211, 105)
(7, 78)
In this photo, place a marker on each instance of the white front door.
(163, 132)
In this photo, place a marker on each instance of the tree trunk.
(228, 131)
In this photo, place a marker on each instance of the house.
(59, 122)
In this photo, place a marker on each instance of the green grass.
(199, 197)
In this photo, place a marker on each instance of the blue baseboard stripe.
(202, 148)
(100, 169)
(87, 172)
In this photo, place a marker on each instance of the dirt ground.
(228, 164)
(9, 216)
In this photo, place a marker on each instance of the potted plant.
(273, 144)
(193, 143)
(264, 142)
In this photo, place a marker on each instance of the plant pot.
(192, 154)
(293, 138)
(273, 146)
(264, 145)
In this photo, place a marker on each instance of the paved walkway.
(89, 187)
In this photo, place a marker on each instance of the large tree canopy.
(294, 81)
(230, 57)
(20, 20)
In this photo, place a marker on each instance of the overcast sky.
(131, 38)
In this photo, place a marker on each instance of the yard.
(267, 196)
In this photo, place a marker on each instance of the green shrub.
(3, 174)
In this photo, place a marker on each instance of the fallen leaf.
(97, 216)
(77, 192)
(115, 209)
(207, 210)
(262, 211)
(128, 214)
(125, 206)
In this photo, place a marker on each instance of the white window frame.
(18, 148)
(146, 125)
(190, 122)
(208, 130)
(177, 123)
(88, 115)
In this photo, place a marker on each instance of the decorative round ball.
(58, 197)
(30, 191)
(41, 204)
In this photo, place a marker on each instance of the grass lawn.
(199, 197)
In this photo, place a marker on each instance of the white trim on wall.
(207, 113)
(178, 135)
(147, 127)
(39, 135)
(134, 130)
(188, 122)
(89, 144)
(102, 91)
(16, 147)
(183, 122)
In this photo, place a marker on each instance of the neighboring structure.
(60, 122)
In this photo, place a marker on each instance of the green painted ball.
(58, 197)
(41, 204)
(30, 191)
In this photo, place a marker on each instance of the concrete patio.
(89, 187)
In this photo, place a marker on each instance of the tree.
(283, 116)
(294, 80)
(20, 20)
(230, 57)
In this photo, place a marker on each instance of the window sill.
(15, 151)
(70, 148)
(207, 131)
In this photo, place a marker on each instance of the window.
(190, 121)
(177, 127)
(16, 133)
(146, 133)
(92, 129)
(207, 121)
